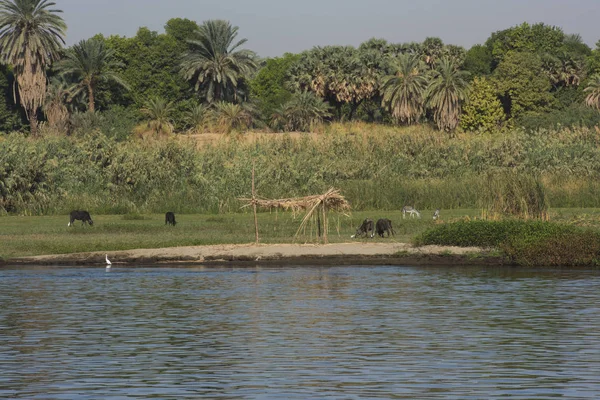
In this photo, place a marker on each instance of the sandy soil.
(339, 253)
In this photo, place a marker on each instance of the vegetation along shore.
(503, 138)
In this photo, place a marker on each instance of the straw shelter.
(315, 206)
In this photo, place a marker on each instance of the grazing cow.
(170, 218)
(436, 214)
(81, 215)
(384, 225)
(364, 229)
(412, 211)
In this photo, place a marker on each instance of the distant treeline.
(198, 77)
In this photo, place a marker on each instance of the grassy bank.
(38, 235)
(376, 167)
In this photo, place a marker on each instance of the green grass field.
(38, 235)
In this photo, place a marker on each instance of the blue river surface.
(299, 332)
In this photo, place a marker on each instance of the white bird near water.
(108, 263)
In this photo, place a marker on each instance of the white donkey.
(410, 210)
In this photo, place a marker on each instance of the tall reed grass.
(376, 167)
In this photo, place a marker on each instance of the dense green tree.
(432, 50)
(525, 38)
(522, 86)
(151, 64)
(31, 36)
(87, 64)
(483, 111)
(403, 92)
(478, 60)
(215, 64)
(593, 60)
(268, 86)
(446, 93)
(182, 30)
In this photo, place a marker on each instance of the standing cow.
(384, 225)
(170, 218)
(81, 215)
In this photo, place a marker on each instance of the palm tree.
(31, 36)
(593, 89)
(300, 113)
(215, 63)
(196, 118)
(229, 116)
(403, 91)
(55, 105)
(446, 93)
(88, 63)
(159, 111)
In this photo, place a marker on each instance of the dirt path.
(340, 253)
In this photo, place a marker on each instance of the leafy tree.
(478, 60)
(158, 111)
(536, 38)
(31, 36)
(268, 86)
(301, 113)
(181, 29)
(521, 85)
(593, 60)
(151, 65)
(216, 64)
(432, 49)
(483, 111)
(593, 92)
(446, 93)
(89, 63)
(403, 92)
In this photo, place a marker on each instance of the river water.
(299, 333)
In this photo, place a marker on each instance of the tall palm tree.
(403, 91)
(31, 36)
(215, 62)
(88, 63)
(593, 89)
(446, 93)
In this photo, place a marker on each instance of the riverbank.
(337, 253)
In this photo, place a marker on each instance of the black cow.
(364, 229)
(384, 225)
(170, 218)
(81, 215)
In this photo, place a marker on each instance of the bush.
(527, 243)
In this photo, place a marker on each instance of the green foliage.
(522, 85)
(268, 86)
(478, 60)
(228, 117)
(483, 112)
(525, 38)
(576, 115)
(158, 111)
(525, 243)
(116, 122)
(181, 29)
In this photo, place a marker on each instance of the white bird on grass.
(108, 263)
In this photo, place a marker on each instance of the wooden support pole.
(254, 205)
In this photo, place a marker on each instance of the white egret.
(108, 263)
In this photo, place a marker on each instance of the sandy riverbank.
(339, 253)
